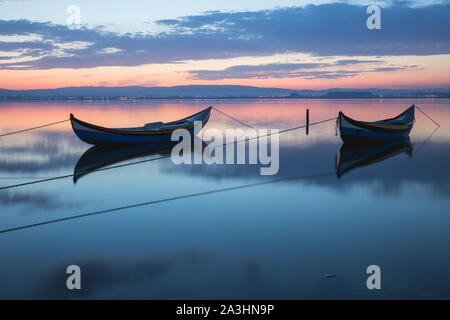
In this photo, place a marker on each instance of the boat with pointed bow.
(155, 132)
(399, 127)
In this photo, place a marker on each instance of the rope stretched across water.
(65, 120)
(81, 173)
(147, 203)
(237, 120)
(416, 151)
(33, 128)
(153, 159)
(427, 115)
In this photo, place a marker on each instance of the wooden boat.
(352, 156)
(155, 132)
(379, 131)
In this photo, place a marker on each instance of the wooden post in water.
(307, 121)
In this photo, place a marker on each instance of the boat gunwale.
(377, 125)
(135, 132)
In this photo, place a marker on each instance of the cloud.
(355, 61)
(322, 30)
(253, 71)
(330, 29)
(109, 50)
(290, 70)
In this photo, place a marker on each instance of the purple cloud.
(323, 30)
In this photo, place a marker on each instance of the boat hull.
(360, 136)
(97, 135)
(103, 138)
(398, 128)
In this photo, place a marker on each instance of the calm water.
(275, 240)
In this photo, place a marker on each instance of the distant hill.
(214, 91)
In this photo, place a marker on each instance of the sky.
(297, 44)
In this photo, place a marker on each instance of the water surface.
(275, 240)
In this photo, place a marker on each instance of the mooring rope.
(22, 177)
(153, 159)
(231, 117)
(427, 115)
(416, 151)
(147, 203)
(82, 172)
(65, 120)
(33, 128)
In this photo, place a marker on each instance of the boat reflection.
(353, 155)
(98, 157)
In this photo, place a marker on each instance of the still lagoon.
(308, 232)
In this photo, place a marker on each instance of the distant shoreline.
(37, 99)
(213, 92)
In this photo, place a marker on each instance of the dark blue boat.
(156, 132)
(379, 131)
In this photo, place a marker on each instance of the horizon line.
(237, 85)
